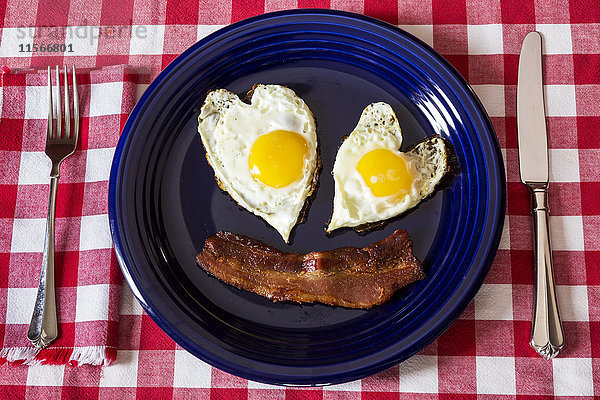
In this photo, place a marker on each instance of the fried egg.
(263, 153)
(374, 180)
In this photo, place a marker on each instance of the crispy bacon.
(347, 276)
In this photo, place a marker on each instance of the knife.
(546, 331)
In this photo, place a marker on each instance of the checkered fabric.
(87, 277)
(485, 354)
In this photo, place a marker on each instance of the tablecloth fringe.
(91, 355)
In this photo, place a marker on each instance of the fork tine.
(75, 107)
(67, 107)
(50, 116)
(58, 106)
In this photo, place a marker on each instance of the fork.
(43, 328)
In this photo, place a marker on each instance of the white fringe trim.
(20, 353)
(92, 355)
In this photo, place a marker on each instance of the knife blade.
(546, 332)
(531, 116)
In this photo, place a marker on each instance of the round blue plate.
(164, 202)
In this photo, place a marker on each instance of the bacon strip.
(347, 276)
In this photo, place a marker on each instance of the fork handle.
(546, 333)
(43, 328)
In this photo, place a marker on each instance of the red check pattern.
(87, 277)
(485, 354)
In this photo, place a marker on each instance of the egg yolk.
(277, 158)
(385, 172)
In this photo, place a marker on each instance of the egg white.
(354, 204)
(229, 127)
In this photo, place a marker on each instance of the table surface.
(485, 354)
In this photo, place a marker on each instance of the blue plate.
(163, 200)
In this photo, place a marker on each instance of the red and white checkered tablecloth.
(485, 354)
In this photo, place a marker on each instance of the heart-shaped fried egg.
(264, 153)
(374, 180)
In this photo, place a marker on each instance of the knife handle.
(546, 333)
